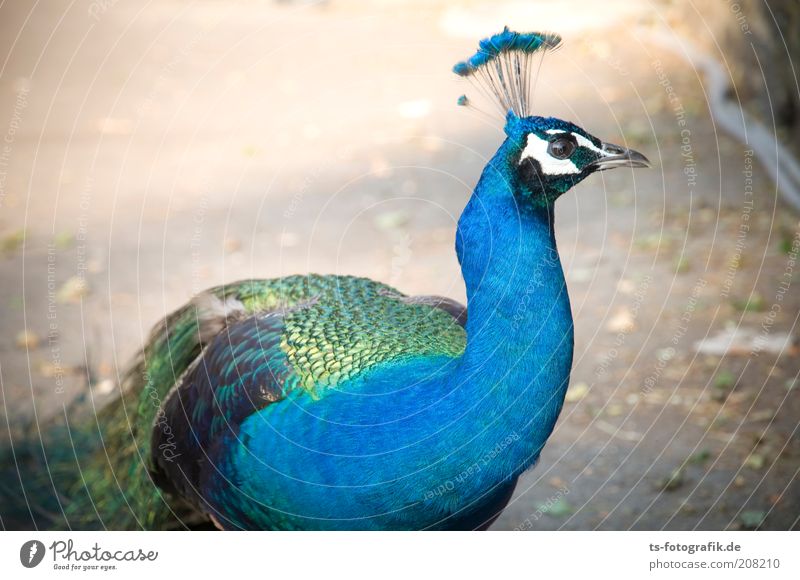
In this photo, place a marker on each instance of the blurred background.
(152, 149)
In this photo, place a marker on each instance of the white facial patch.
(582, 141)
(537, 148)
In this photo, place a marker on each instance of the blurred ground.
(153, 150)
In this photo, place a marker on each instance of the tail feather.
(39, 477)
(92, 470)
(85, 470)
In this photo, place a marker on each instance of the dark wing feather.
(452, 307)
(242, 370)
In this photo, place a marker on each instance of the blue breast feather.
(417, 442)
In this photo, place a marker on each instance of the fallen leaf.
(786, 242)
(763, 415)
(752, 519)
(558, 509)
(652, 242)
(27, 340)
(724, 380)
(700, 457)
(755, 461)
(622, 321)
(104, 387)
(72, 290)
(391, 220)
(681, 265)
(576, 392)
(232, 245)
(674, 481)
(665, 354)
(64, 240)
(754, 303)
(94, 266)
(11, 242)
(52, 370)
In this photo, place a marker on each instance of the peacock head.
(545, 156)
(542, 157)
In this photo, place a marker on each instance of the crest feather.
(501, 68)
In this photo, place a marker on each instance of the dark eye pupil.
(561, 148)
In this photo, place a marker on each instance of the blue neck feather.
(519, 329)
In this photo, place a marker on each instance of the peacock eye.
(561, 147)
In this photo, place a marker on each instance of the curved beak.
(616, 156)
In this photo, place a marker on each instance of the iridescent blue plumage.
(418, 439)
(352, 411)
(333, 402)
(506, 41)
(422, 442)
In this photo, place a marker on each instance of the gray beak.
(616, 156)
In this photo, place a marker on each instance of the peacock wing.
(266, 340)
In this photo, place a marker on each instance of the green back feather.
(344, 327)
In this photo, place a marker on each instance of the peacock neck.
(519, 323)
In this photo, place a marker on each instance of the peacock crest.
(502, 68)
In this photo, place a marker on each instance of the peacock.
(327, 402)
